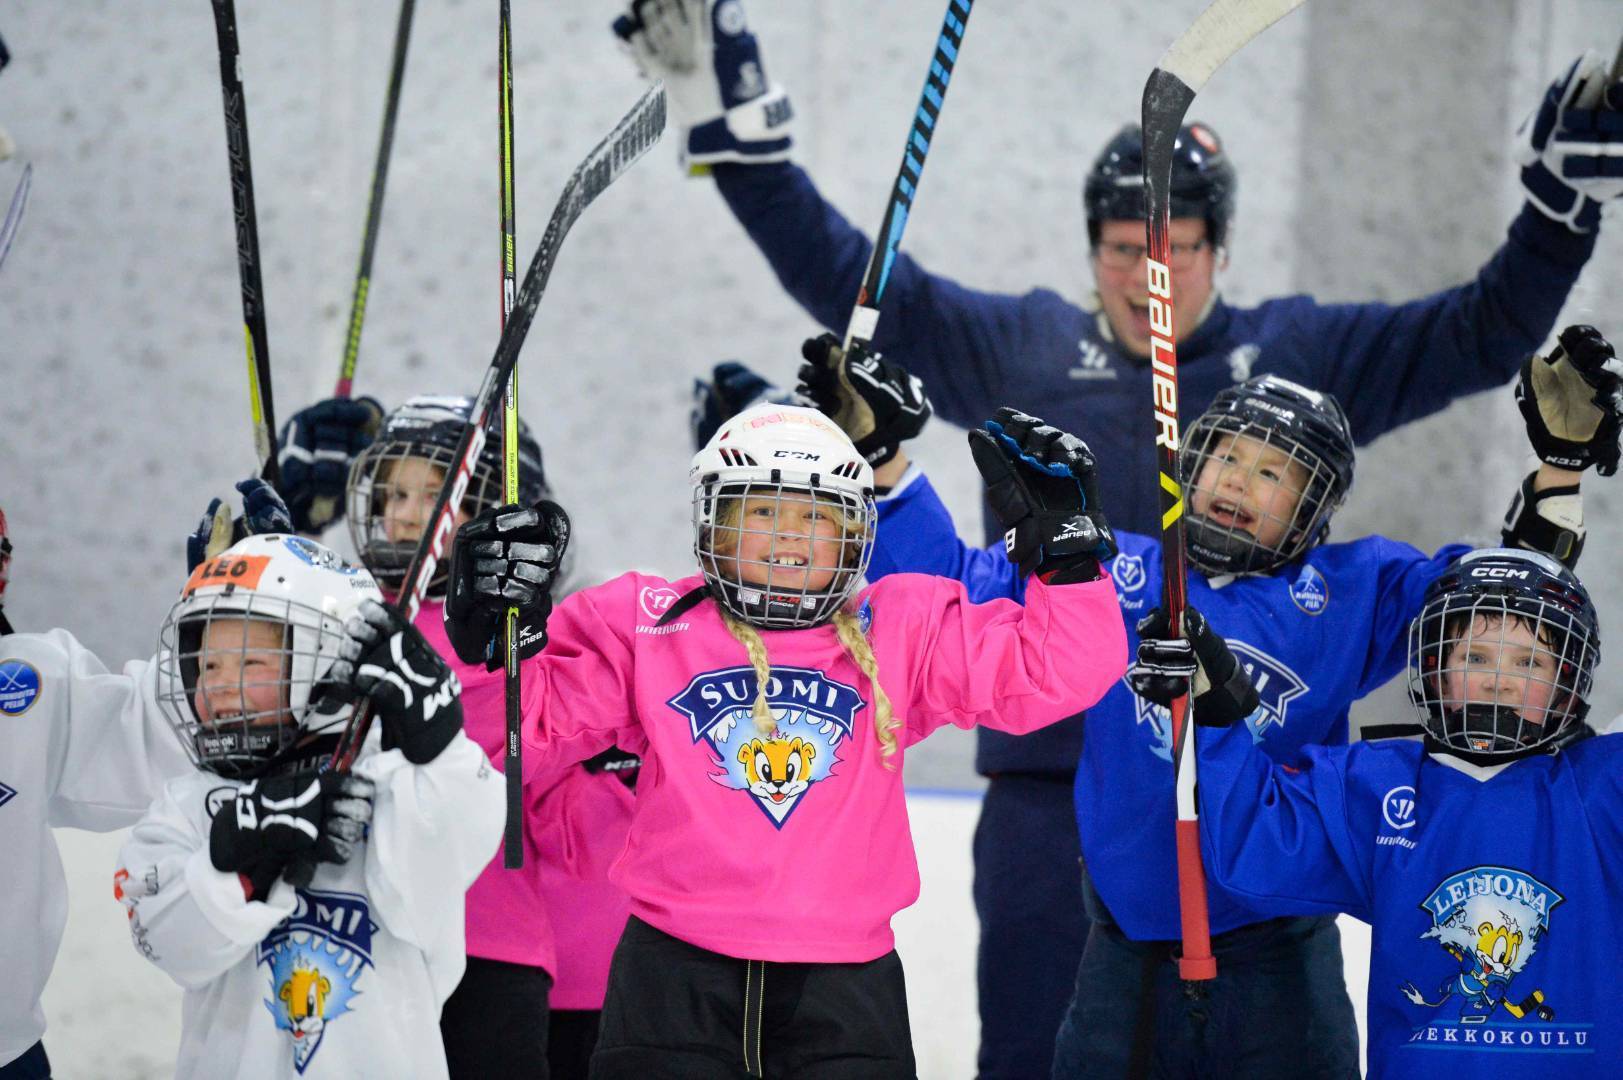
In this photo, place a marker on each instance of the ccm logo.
(1497, 572)
(1163, 355)
(797, 455)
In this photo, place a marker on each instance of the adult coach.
(1087, 367)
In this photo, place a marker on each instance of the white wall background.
(1373, 143)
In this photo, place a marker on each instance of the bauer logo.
(315, 959)
(812, 714)
(19, 686)
(1310, 592)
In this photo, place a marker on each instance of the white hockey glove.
(711, 66)
(1571, 146)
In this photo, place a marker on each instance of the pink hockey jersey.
(795, 846)
(573, 819)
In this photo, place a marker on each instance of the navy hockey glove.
(414, 694)
(732, 389)
(508, 555)
(1573, 402)
(281, 826)
(717, 89)
(1043, 485)
(1166, 666)
(878, 403)
(318, 444)
(1571, 146)
(263, 511)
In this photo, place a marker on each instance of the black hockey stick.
(636, 132)
(513, 767)
(374, 205)
(260, 405)
(865, 315)
(1216, 34)
(14, 214)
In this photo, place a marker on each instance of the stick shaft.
(513, 842)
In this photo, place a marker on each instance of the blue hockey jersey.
(1314, 638)
(1387, 364)
(1493, 902)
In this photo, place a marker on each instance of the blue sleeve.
(916, 536)
(956, 339)
(1279, 836)
(1401, 575)
(1390, 364)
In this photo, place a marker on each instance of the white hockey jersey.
(79, 747)
(342, 978)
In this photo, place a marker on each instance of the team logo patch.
(19, 686)
(315, 958)
(656, 602)
(316, 555)
(1310, 591)
(6, 794)
(1127, 571)
(1277, 686)
(813, 713)
(1490, 921)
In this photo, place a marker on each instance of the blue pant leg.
(1029, 901)
(33, 1065)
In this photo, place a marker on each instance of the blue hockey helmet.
(1203, 181)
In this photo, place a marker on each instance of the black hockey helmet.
(429, 427)
(1203, 181)
(1464, 646)
(1309, 428)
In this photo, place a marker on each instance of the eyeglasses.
(1126, 256)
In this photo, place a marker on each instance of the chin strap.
(1549, 521)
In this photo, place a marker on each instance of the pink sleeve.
(584, 702)
(1009, 666)
(579, 823)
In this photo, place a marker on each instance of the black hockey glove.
(1167, 665)
(263, 511)
(414, 694)
(732, 389)
(507, 555)
(1573, 402)
(318, 444)
(1043, 485)
(281, 826)
(876, 402)
(615, 761)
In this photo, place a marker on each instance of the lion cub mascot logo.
(315, 957)
(814, 713)
(1490, 920)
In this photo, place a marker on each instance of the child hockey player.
(538, 938)
(773, 703)
(1487, 859)
(80, 747)
(313, 916)
(1268, 465)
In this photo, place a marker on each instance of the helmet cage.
(1480, 688)
(1233, 547)
(777, 591)
(241, 745)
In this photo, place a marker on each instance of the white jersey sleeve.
(434, 830)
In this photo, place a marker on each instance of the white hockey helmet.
(288, 582)
(784, 455)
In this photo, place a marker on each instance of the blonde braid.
(750, 638)
(849, 628)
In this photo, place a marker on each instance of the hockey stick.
(14, 214)
(636, 132)
(513, 767)
(324, 507)
(260, 406)
(1216, 34)
(865, 315)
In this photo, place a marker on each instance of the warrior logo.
(813, 713)
(1277, 686)
(315, 957)
(1490, 920)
